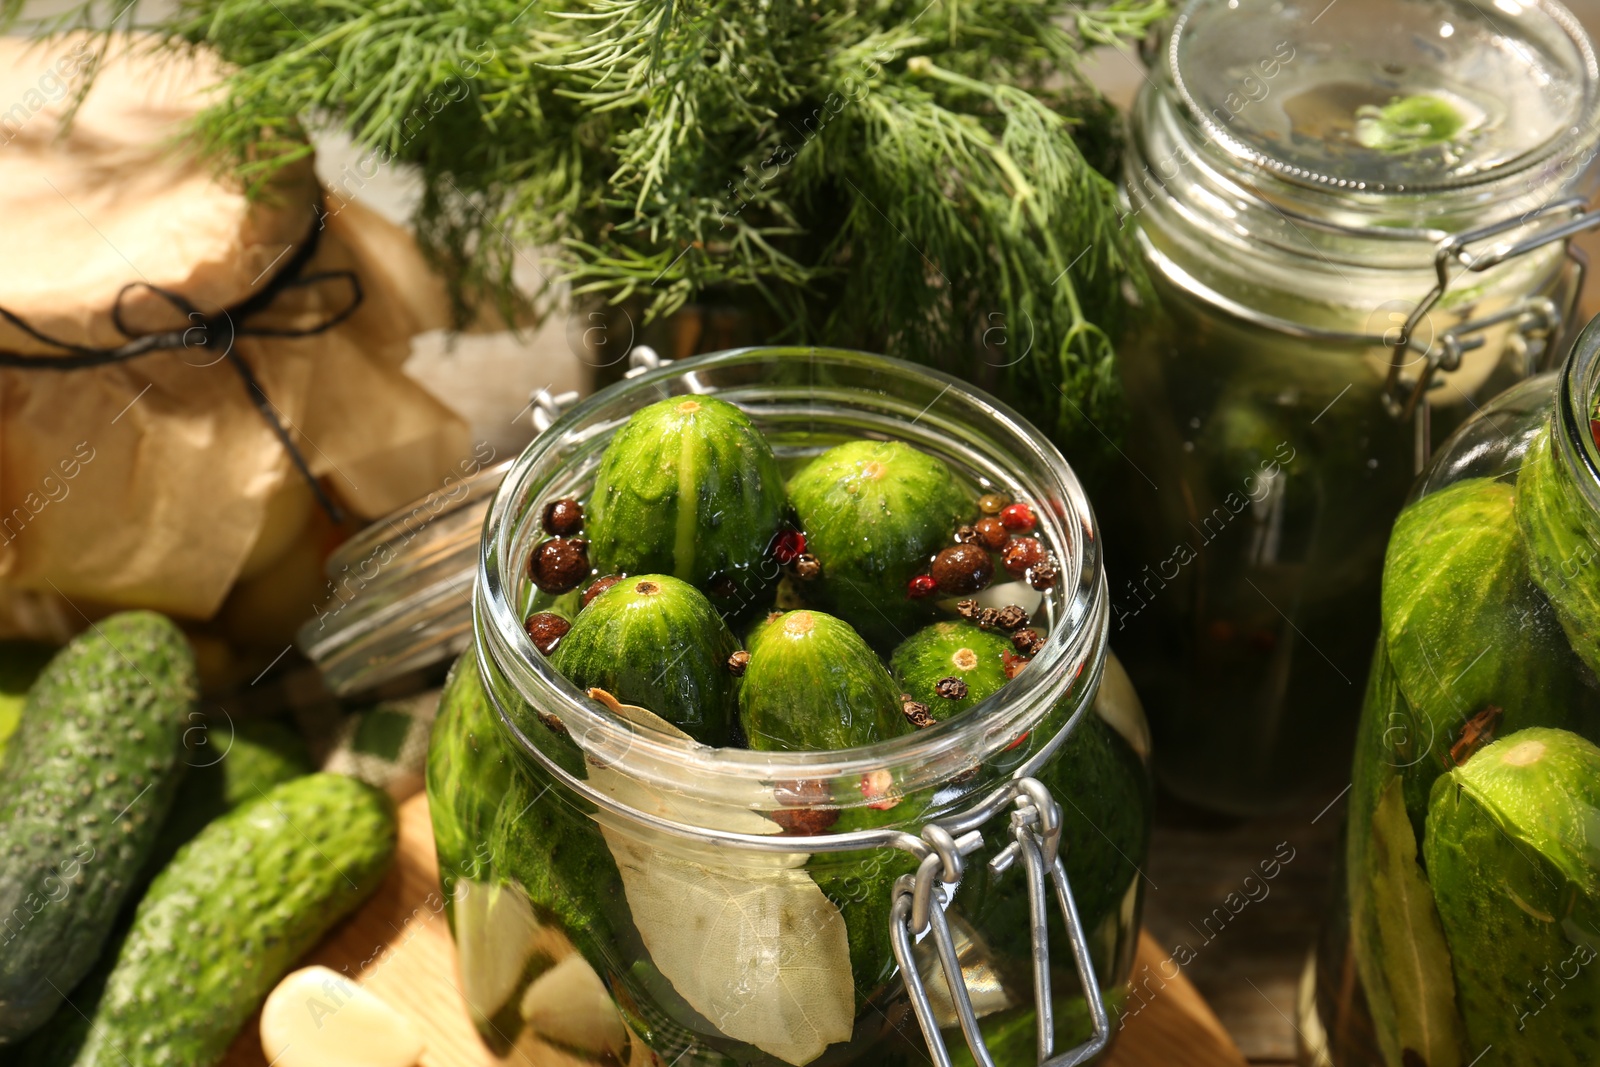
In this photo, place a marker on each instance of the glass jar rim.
(1580, 384)
(1576, 131)
(1074, 649)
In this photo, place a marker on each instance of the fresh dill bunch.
(927, 178)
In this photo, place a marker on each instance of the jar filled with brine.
(790, 735)
(1355, 217)
(1468, 910)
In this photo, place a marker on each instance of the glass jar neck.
(1572, 430)
(1262, 237)
(1014, 730)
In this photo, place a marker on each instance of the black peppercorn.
(807, 567)
(560, 564)
(1028, 642)
(962, 569)
(916, 712)
(738, 662)
(563, 517)
(547, 629)
(951, 688)
(967, 608)
(1012, 617)
(1043, 575)
(966, 535)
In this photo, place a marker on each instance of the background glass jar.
(615, 890)
(1468, 907)
(1294, 179)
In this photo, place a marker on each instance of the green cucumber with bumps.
(257, 755)
(1510, 855)
(943, 650)
(813, 685)
(1466, 629)
(689, 487)
(657, 642)
(1558, 529)
(229, 916)
(874, 514)
(87, 782)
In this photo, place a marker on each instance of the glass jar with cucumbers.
(1468, 912)
(790, 710)
(1355, 220)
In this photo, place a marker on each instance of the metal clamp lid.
(920, 900)
(1537, 316)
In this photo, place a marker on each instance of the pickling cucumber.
(1469, 636)
(874, 514)
(960, 650)
(1509, 848)
(657, 642)
(688, 487)
(230, 915)
(813, 685)
(1562, 553)
(85, 787)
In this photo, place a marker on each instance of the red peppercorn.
(992, 533)
(598, 586)
(1594, 431)
(560, 564)
(547, 629)
(962, 569)
(788, 546)
(563, 517)
(1022, 553)
(1018, 517)
(921, 586)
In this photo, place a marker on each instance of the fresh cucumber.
(813, 685)
(1510, 854)
(961, 650)
(657, 642)
(230, 915)
(255, 756)
(85, 787)
(689, 487)
(874, 514)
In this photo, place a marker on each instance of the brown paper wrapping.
(156, 483)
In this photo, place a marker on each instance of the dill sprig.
(926, 178)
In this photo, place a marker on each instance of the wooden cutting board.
(398, 945)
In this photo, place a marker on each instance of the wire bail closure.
(919, 908)
(1537, 318)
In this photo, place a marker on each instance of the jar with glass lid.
(968, 891)
(1355, 216)
(1468, 908)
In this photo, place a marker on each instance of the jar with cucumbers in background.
(790, 702)
(1467, 913)
(1356, 219)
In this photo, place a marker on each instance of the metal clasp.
(548, 407)
(1537, 318)
(919, 907)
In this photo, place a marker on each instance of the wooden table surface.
(398, 945)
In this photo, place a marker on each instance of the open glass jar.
(1355, 218)
(1468, 909)
(618, 892)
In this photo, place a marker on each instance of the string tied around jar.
(216, 330)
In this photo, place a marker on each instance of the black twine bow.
(207, 331)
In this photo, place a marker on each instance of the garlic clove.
(316, 1017)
